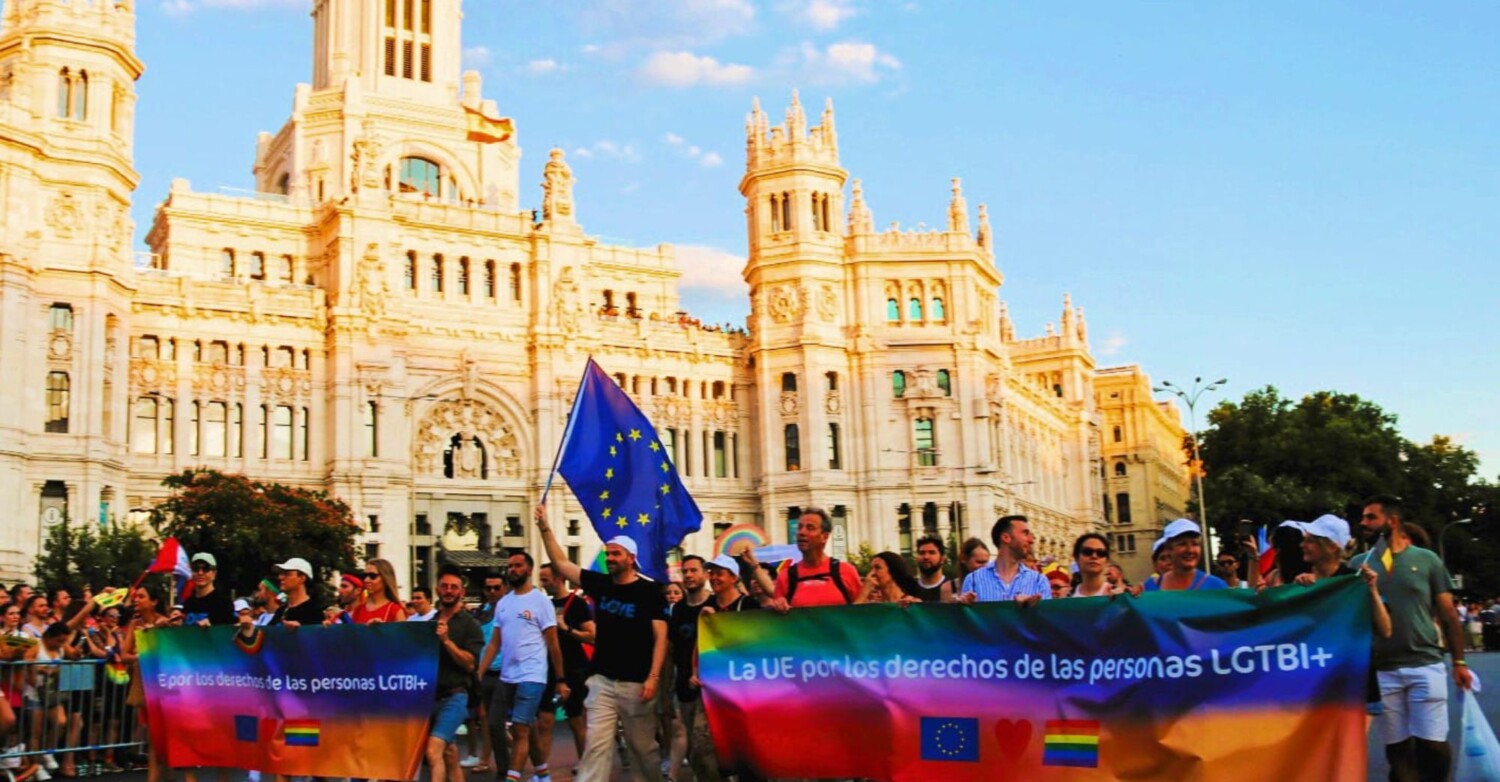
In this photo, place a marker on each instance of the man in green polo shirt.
(1413, 682)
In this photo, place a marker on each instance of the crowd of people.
(613, 654)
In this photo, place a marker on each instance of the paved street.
(1487, 666)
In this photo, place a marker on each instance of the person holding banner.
(1183, 540)
(1091, 552)
(299, 607)
(381, 603)
(629, 651)
(818, 580)
(207, 605)
(1413, 689)
(931, 556)
(1007, 577)
(462, 640)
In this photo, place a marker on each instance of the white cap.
(1179, 528)
(298, 564)
(1326, 526)
(624, 543)
(1156, 547)
(204, 556)
(241, 605)
(725, 562)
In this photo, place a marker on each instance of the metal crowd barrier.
(74, 711)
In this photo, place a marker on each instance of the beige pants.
(701, 754)
(611, 703)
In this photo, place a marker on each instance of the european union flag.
(623, 475)
(246, 727)
(950, 738)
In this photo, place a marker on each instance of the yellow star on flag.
(619, 438)
(606, 513)
(613, 452)
(666, 488)
(609, 473)
(655, 446)
(604, 495)
(622, 523)
(643, 519)
(665, 467)
(635, 435)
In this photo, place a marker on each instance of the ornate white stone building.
(384, 319)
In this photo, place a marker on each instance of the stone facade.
(381, 319)
(1144, 469)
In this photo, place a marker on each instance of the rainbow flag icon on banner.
(1072, 743)
(301, 733)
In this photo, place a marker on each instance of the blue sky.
(1304, 195)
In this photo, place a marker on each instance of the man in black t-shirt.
(299, 608)
(208, 604)
(575, 627)
(682, 632)
(629, 650)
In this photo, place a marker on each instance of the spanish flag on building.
(487, 130)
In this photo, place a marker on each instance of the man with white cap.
(299, 608)
(207, 605)
(630, 619)
(1184, 539)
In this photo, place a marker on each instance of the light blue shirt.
(990, 588)
(520, 620)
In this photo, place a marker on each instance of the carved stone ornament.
(833, 403)
(786, 302)
(565, 306)
(722, 411)
(828, 303)
(370, 287)
(285, 383)
(60, 346)
(481, 430)
(149, 374)
(64, 216)
(788, 403)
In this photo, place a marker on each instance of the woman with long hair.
(889, 581)
(147, 617)
(382, 603)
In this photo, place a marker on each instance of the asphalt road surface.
(1486, 665)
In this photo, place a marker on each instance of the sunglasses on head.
(1089, 551)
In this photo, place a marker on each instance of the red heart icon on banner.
(1013, 736)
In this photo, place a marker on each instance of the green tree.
(80, 557)
(249, 526)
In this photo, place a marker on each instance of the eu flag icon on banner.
(950, 738)
(622, 474)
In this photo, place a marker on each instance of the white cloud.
(674, 139)
(823, 15)
(543, 66)
(608, 149)
(705, 159)
(176, 7)
(1112, 344)
(477, 56)
(628, 26)
(685, 69)
(711, 160)
(854, 61)
(711, 269)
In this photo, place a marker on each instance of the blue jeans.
(447, 714)
(520, 702)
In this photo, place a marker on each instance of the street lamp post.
(1442, 553)
(1189, 397)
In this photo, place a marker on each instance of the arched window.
(81, 96)
(420, 175)
(463, 276)
(793, 448)
(1118, 434)
(143, 426)
(833, 380)
(1120, 469)
(775, 212)
(925, 443)
(59, 388)
(835, 448)
(409, 274)
(257, 266)
(515, 283)
(945, 382)
(892, 310)
(898, 383)
(789, 382)
(64, 93)
(437, 273)
(284, 184)
(914, 309)
(372, 429)
(489, 279)
(1122, 507)
(939, 313)
(226, 262)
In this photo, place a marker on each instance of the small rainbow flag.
(1071, 743)
(301, 733)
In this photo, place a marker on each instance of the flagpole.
(567, 431)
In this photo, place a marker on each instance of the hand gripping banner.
(340, 701)
(1222, 685)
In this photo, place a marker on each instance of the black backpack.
(793, 576)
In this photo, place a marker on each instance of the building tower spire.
(958, 209)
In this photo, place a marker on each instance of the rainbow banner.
(1222, 685)
(339, 701)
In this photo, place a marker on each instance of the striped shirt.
(989, 587)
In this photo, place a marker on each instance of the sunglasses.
(1228, 562)
(369, 576)
(202, 569)
(493, 587)
(1088, 551)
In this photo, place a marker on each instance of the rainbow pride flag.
(1171, 685)
(301, 733)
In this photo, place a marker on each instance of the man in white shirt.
(525, 636)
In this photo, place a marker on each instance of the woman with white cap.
(1324, 540)
(1184, 539)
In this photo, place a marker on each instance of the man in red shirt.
(813, 581)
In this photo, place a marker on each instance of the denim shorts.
(448, 714)
(523, 700)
